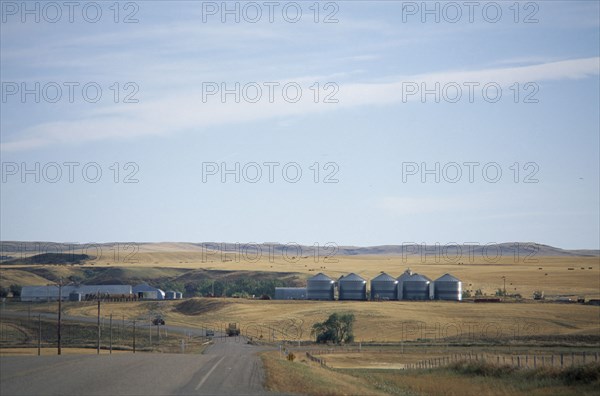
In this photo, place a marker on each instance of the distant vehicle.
(233, 330)
(209, 333)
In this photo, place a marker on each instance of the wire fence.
(518, 361)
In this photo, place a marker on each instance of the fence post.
(583, 357)
(526, 360)
(534, 361)
(519, 361)
(561, 360)
(572, 359)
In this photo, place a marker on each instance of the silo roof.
(407, 274)
(352, 277)
(447, 278)
(383, 277)
(417, 278)
(320, 277)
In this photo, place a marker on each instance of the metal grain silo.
(170, 295)
(407, 274)
(320, 287)
(74, 296)
(352, 287)
(178, 295)
(416, 287)
(447, 287)
(384, 287)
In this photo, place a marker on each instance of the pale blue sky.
(369, 53)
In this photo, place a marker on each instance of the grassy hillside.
(376, 321)
(572, 276)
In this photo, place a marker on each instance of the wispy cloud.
(185, 109)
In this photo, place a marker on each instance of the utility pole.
(134, 336)
(98, 349)
(59, 316)
(504, 278)
(39, 334)
(110, 326)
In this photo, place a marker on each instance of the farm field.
(386, 321)
(556, 276)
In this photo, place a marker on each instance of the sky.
(347, 122)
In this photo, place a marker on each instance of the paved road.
(228, 367)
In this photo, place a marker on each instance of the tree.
(338, 328)
(15, 290)
(4, 292)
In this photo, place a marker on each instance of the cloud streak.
(185, 109)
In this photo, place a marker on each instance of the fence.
(321, 361)
(519, 361)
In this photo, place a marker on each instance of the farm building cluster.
(408, 286)
(92, 292)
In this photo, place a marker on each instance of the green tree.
(338, 328)
(15, 290)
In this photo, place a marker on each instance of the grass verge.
(307, 378)
(476, 378)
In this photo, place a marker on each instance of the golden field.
(550, 274)
(387, 321)
(376, 321)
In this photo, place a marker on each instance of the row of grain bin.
(173, 295)
(408, 286)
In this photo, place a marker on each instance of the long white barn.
(50, 292)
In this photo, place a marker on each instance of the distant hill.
(50, 251)
(507, 249)
(50, 258)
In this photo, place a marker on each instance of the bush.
(482, 369)
(581, 374)
(569, 376)
(4, 292)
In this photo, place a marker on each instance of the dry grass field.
(376, 321)
(550, 274)
(305, 377)
(386, 321)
